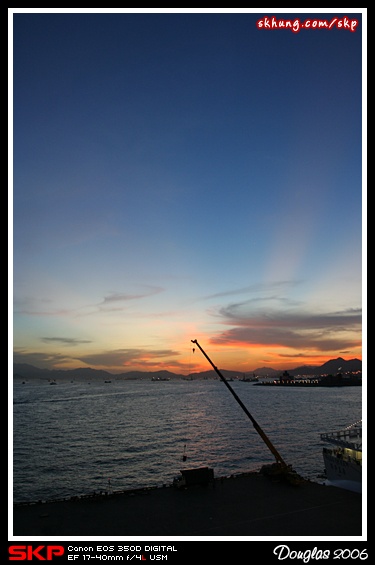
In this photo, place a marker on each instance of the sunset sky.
(182, 176)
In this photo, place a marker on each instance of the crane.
(280, 466)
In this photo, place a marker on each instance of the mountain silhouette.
(331, 367)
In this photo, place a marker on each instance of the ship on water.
(338, 380)
(343, 457)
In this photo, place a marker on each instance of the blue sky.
(183, 176)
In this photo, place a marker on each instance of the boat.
(160, 379)
(343, 458)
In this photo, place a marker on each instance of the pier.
(327, 381)
(249, 504)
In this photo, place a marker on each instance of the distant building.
(286, 378)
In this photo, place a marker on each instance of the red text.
(21, 552)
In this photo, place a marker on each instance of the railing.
(345, 438)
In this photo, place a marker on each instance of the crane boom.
(269, 444)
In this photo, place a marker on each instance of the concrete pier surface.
(244, 505)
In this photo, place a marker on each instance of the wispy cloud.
(121, 297)
(29, 312)
(277, 286)
(116, 359)
(40, 359)
(291, 327)
(126, 357)
(112, 302)
(64, 340)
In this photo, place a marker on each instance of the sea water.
(82, 437)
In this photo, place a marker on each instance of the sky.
(185, 175)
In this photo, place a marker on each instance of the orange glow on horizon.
(178, 357)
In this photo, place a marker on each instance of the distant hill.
(332, 367)
(212, 374)
(265, 372)
(339, 365)
(131, 375)
(24, 370)
(29, 371)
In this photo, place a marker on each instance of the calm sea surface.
(73, 437)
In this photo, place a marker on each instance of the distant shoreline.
(332, 367)
(319, 381)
